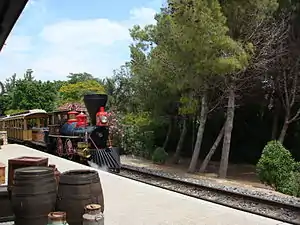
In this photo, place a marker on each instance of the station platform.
(128, 202)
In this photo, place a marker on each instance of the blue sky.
(56, 37)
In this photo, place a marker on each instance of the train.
(78, 135)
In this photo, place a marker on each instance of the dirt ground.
(238, 174)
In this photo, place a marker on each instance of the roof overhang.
(10, 10)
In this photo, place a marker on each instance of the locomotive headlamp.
(104, 119)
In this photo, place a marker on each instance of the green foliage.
(200, 29)
(74, 92)
(275, 165)
(153, 88)
(188, 106)
(138, 138)
(28, 93)
(119, 88)
(291, 186)
(137, 141)
(141, 119)
(297, 167)
(185, 48)
(243, 16)
(159, 155)
(74, 78)
(13, 111)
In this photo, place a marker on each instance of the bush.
(138, 137)
(138, 142)
(297, 167)
(292, 185)
(140, 119)
(115, 128)
(275, 165)
(159, 155)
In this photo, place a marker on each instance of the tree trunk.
(275, 124)
(212, 150)
(176, 156)
(203, 117)
(227, 134)
(283, 131)
(169, 133)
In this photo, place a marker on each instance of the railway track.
(288, 213)
(284, 212)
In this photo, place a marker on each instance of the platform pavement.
(128, 202)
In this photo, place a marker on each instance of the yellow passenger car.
(26, 126)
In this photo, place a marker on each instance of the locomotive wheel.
(59, 147)
(69, 149)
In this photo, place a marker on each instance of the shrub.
(159, 155)
(141, 119)
(138, 137)
(292, 185)
(297, 167)
(115, 127)
(275, 165)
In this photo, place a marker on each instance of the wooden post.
(38, 122)
(25, 124)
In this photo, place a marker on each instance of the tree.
(148, 80)
(187, 109)
(75, 92)
(283, 81)
(27, 93)
(32, 94)
(244, 19)
(80, 77)
(120, 90)
(201, 33)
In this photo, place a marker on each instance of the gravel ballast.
(274, 211)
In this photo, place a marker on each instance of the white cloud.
(96, 31)
(96, 46)
(17, 44)
(86, 32)
(142, 16)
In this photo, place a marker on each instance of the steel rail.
(216, 190)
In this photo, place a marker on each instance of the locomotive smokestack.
(93, 102)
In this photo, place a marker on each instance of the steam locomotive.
(68, 133)
(88, 142)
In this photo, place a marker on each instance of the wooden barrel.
(76, 189)
(33, 195)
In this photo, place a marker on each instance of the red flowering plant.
(115, 127)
